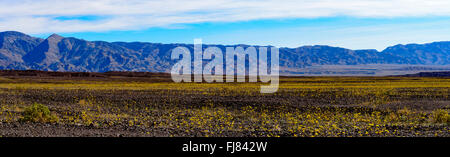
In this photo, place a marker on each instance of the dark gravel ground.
(58, 130)
(67, 104)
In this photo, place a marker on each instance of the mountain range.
(20, 51)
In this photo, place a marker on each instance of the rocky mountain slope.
(56, 53)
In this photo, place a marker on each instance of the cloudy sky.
(356, 24)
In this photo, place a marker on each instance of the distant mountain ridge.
(56, 53)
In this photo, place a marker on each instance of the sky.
(354, 24)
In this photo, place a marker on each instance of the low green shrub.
(440, 116)
(38, 113)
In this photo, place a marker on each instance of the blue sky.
(353, 24)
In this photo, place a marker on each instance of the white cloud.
(39, 16)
